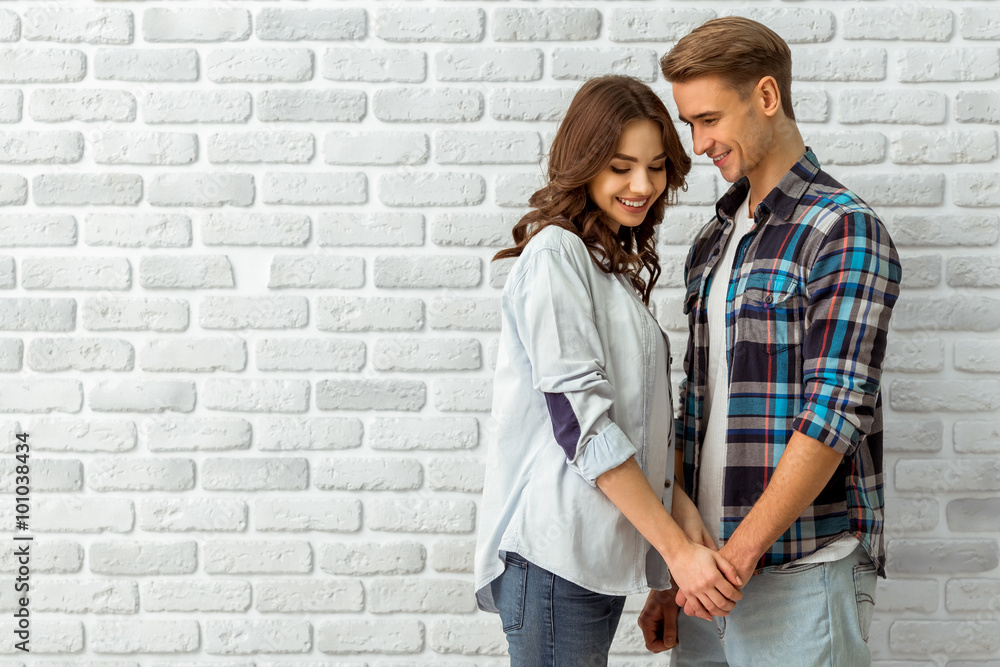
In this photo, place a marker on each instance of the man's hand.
(658, 620)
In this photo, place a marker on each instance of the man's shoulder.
(829, 199)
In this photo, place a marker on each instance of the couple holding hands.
(758, 510)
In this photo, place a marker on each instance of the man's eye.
(619, 171)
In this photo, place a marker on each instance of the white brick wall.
(250, 318)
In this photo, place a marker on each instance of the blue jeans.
(815, 615)
(550, 622)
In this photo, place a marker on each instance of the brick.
(256, 395)
(923, 65)
(406, 594)
(910, 515)
(261, 312)
(578, 64)
(463, 395)
(339, 106)
(142, 396)
(427, 271)
(42, 65)
(977, 437)
(41, 396)
(156, 148)
(402, 636)
(405, 24)
(370, 229)
(315, 189)
(257, 557)
(974, 515)
(75, 273)
(55, 475)
(37, 314)
(976, 189)
(899, 189)
(847, 147)
(427, 105)
(142, 636)
(810, 105)
(375, 65)
(50, 556)
(964, 474)
(822, 64)
(914, 355)
(291, 433)
(316, 271)
(794, 25)
(312, 24)
(551, 24)
(195, 25)
(276, 474)
(409, 433)
(376, 148)
(89, 435)
(81, 354)
(453, 555)
(10, 26)
(493, 65)
(406, 395)
(11, 351)
(131, 558)
(13, 190)
(202, 189)
(947, 147)
(186, 272)
(454, 474)
(86, 596)
(458, 147)
(918, 107)
(40, 147)
(193, 354)
(93, 189)
(654, 25)
(530, 104)
(195, 596)
(894, 23)
(979, 23)
(370, 558)
(921, 271)
(255, 229)
(319, 354)
(175, 435)
(53, 105)
(907, 595)
(958, 313)
(37, 230)
(147, 65)
(53, 637)
(79, 515)
(431, 189)
(135, 474)
(182, 515)
(972, 595)
(951, 638)
(196, 106)
(420, 516)
(342, 515)
(259, 65)
(369, 314)
(295, 595)
(467, 314)
(358, 474)
(947, 395)
(134, 314)
(926, 556)
(241, 637)
(514, 190)
(268, 147)
(471, 230)
(95, 26)
(973, 271)
(467, 637)
(419, 354)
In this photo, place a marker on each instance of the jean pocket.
(865, 580)
(509, 592)
(796, 569)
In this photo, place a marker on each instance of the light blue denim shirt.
(582, 384)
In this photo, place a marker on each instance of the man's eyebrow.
(703, 114)
(629, 158)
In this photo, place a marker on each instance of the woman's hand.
(704, 576)
(687, 516)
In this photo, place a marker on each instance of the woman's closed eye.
(625, 170)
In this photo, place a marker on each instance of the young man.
(789, 292)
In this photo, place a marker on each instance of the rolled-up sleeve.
(852, 287)
(555, 322)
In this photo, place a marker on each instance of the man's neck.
(788, 149)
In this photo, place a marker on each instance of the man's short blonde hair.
(738, 50)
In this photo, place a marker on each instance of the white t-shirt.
(713, 450)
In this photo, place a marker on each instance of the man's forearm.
(803, 471)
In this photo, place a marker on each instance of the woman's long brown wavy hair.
(584, 145)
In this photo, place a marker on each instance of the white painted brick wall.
(251, 322)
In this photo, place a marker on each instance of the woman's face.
(635, 177)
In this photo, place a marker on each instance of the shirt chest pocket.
(772, 311)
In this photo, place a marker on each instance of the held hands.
(744, 570)
(705, 580)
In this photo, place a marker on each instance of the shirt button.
(666, 484)
(768, 299)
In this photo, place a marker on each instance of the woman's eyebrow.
(629, 158)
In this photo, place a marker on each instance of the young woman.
(579, 474)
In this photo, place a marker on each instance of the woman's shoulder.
(553, 237)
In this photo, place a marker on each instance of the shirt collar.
(782, 200)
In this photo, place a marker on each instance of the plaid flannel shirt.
(807, 312)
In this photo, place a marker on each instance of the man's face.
(731, 131)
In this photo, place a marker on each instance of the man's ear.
(768, 95)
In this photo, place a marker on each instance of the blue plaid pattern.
(807, 313)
